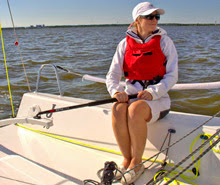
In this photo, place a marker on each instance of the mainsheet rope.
(6, 69)
(17, 44)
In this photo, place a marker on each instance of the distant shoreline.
(106, 25)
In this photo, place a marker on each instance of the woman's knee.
(139, 110)
(119, 109)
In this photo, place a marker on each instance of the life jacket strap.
(146, 83)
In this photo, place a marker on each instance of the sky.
(85, 12)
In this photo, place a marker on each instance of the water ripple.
(89, 50)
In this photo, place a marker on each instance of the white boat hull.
(69, 159)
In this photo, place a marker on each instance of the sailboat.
(55, 139)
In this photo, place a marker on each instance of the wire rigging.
(19, 49)
(200, 156)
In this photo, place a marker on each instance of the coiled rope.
(197, 159)
(188, 179)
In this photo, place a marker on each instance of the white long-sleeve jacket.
(158, 90)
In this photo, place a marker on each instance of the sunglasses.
(151, 17)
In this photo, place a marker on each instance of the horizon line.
(114, 24)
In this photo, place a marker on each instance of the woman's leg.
(139, 113)
(120, 128)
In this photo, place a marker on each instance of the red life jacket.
(144, 61)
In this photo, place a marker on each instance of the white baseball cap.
(145, 8)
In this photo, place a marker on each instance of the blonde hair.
(134, 24)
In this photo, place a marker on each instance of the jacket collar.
(132, 32)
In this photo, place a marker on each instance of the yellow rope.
(176, 182)
(216, 137)
(6, 68)
(197, 165)
(78, 143)
(186, 178)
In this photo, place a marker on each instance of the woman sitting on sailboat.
(148, 59)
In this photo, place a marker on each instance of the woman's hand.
(145, 95)
(122, 97)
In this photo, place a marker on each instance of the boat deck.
(16, 168)
(38, 158)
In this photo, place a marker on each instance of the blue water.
(89, 50)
